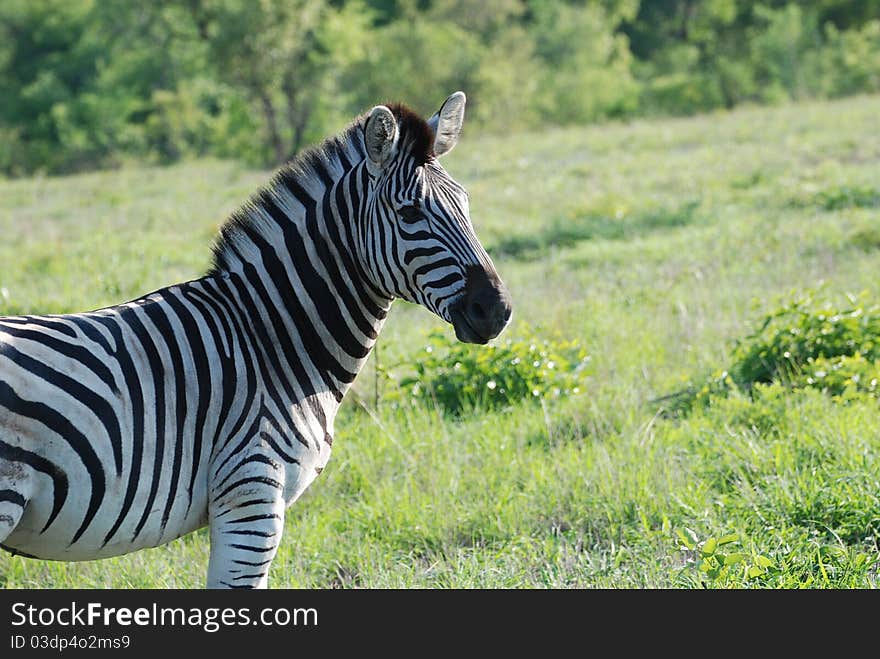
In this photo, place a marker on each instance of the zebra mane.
(316, 166)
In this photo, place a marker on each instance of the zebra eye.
(411, 214)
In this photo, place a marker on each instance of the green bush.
(410, 60)
(682, 93)
(460, 378)
(851, 59)
(849, 197)
(784, 43)
(801, 332)
(842, 376)
(585, 68)
(806, 343)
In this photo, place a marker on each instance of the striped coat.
(212, 401)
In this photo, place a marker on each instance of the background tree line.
(92, 83)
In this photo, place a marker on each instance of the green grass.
(656, 244)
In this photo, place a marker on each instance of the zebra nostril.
(477, 311)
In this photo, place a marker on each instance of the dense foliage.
(459, 379)
(805, 344)
(89, 83)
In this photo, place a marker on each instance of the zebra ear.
(446, 124)
(380, 135)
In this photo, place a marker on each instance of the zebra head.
(419, 241)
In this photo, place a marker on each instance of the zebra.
(212, 402)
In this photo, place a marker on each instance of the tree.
(43, 65)
(273, 52)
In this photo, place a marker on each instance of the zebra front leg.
(246, 523)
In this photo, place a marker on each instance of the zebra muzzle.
(484, 310)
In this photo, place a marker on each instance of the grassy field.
(657, 245)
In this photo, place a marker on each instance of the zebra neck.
(291, 268)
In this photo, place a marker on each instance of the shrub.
(585, 68)
(849, 197)
(460, 378)
(801, 332)
(804, 344)
(844, 376)
(851, 59)
(783, 43)
(682, 93)
(427, 57)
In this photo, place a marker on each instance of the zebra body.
(212, 401)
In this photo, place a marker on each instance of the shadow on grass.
(567, 232)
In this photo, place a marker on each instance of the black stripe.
(452, 230)
(256, 550)
(97, 404)
(417, 236)
(360, 181)
(247, 437)
(136, 400)
(257, 328)
(340, 155)
(204, 387)
(346, 248)
(251, 458)
(265, 480)
(258, 576)
(252, 564)
(76, 352)
(412, 254)
(266, 437)
(254, 346)
(42, 321)
(353, 291)
(205, 296)
(380, 250)
(440, 299)
(443, 282)
(229, 381)
(393, 252)
(346, 297)
(313, 342)
(252, 518)
(156, 313)
(251, 532)
(267, 415)
(357, 142)
(246, 504)
(16, 552)
(11, 496)
(82, 321)
(318, 164)
(435, 265)
(157, 374)
(50, 418)
(308, 336)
